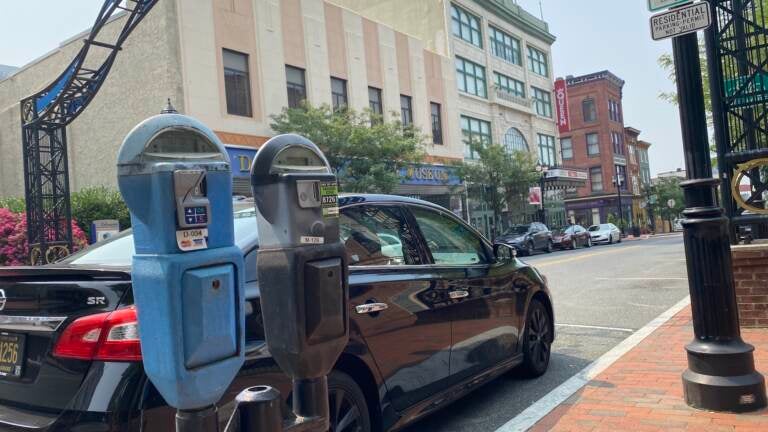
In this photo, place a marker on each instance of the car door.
(540, 235)
(485, 321)
(396, 303)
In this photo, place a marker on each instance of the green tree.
(499, 178)
(668, 188)
(366, 151)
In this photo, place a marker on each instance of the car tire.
(529, 248)
(537, 341)
(347, 406)
(610, 238)
(550, 247)
(589, 242)
(573, 243)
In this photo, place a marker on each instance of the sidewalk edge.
(531, 415)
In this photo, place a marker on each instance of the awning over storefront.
(426, 179)
(565, 179)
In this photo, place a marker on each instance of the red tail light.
(110, 336)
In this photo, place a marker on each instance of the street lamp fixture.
(542, 170)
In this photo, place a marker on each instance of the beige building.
(503, 65)
(233, 64)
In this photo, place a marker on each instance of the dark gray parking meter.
(302, 267)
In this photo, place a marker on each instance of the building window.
(614, 110)
(566, 146)
(474, 133)
(406, 111)
(437, 123)
(338, 93)
(621, 176)
(374, 102)
(593, 144)
(466, 26)
(470, 77)
(542, 102)
(589, 110)
(510, 85)
(537, 62)
(617, 140)
(237, 83)
(514, 141)
(505, 46)
(596, 178)
(547, 152)
(297, 86)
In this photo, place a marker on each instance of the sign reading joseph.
(677, 22)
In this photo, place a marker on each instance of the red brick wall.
(750, 271)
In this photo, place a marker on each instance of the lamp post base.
(721, 376)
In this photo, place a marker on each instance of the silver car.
(605, 233)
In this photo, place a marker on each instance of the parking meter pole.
(258, 410)
(204, 420)
(721, 374)
(310, 397)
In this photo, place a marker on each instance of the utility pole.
(721, 375)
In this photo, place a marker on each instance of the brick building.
(596, 143)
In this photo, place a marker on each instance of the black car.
(528, 238)
(458, 312)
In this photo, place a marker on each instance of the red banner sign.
(534, 195)
(561, 105)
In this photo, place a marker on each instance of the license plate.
(11, 354)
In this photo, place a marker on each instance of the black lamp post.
(618, 180)
(721, 372)
(542, 170)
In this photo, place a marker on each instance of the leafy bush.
(13, 238)
(94, 203)
(13, 204)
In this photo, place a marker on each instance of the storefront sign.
(435, 175)
(567, 173)
(619, 160)
(561, 105)
(240, 159)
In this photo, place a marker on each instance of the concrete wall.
(145, 73)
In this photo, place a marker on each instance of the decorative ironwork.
(44, 117)
(737, 49)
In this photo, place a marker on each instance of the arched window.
(514, 141)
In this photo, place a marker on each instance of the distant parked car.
(528, 238)
(605, 233)
(571, 237)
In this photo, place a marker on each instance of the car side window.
(378, 235)
(449, 242)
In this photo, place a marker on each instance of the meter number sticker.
(329, 199)
(192, 239)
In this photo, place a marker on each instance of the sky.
(592, 35)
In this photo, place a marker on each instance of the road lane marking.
(597, 327)
(581, 257)
(642, 278)
(531, 415)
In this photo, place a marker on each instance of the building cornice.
(519, 18)
(597, 76)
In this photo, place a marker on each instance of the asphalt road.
(601, 295)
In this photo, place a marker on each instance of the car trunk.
(36, 306)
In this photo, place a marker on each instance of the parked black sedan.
(571, 237)
(454, 312)
(528, 238)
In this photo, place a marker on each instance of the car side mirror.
(504, 252)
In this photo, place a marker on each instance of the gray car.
(605, 233)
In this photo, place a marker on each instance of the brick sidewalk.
(643, 390)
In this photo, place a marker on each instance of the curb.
(531, 415)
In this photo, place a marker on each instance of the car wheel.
(550, 246)
(529, 249)
(537, 342)
(610, 238)
(618, 240)
(346, 405)
(573, 243)
(589, 242)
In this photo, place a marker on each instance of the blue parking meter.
(174, 175)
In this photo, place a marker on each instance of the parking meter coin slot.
(192, 205)
(324, 295)
(308, 193)
(208, 315)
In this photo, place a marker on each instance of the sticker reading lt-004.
(329, 197)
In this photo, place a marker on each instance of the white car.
(605, 233)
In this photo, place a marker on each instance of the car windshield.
(118, 250)
(595, 228)
(517, 229)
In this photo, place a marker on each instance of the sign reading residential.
(657, 5)
(677, 22)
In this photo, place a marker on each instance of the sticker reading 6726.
(329, 199)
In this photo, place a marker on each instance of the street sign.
(657, 5)
(677, 22)
(671, 203)
(751, 91)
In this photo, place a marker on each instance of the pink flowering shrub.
(13, 238)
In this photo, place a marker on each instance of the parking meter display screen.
(295, 158)
(181, 144)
